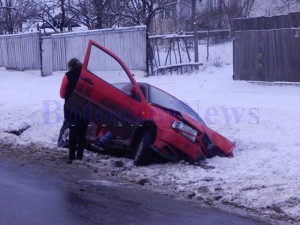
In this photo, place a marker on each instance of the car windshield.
(164, 99)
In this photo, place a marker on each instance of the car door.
(107, 92)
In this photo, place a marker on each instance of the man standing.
(77, 125)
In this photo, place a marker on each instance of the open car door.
(106, 92)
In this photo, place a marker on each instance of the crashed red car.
(144, 119)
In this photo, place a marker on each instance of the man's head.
(74, 63)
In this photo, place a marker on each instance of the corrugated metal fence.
(267, 55)
(20, 51)
(128, 43)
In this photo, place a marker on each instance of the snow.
(263, 121)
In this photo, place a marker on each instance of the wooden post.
(195, 32)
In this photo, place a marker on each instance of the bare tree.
(82, 11)
(54, 14)
(142, 12)
(213, 17)
(237, 8)
(94, 14)
(13, 13)
(138, 12)
(46, 12)
(286, 6)
(267, 8)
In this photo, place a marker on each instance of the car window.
(125, 87)
(143, 89)
(164, 99)
(107, 68)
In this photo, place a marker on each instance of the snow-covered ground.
(263, 120)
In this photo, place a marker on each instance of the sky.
(261, 118)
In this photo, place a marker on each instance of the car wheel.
(144, 154)
(63, 138)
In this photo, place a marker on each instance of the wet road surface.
(47, 193)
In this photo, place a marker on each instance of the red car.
(144, 119)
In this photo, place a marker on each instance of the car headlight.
(185, 130)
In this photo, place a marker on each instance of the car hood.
(219, 140)
(180, 116)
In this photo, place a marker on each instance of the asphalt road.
(46, 192)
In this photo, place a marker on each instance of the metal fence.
(29, 51)
(20, 51)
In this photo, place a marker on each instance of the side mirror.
(133, 91)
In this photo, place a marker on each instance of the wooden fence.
(29, 51)
(266, 23)
(267, 55)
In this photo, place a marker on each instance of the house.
(174, 19)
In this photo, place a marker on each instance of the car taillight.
(185, 130)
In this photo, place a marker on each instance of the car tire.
(63, 138)
(144, 154)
